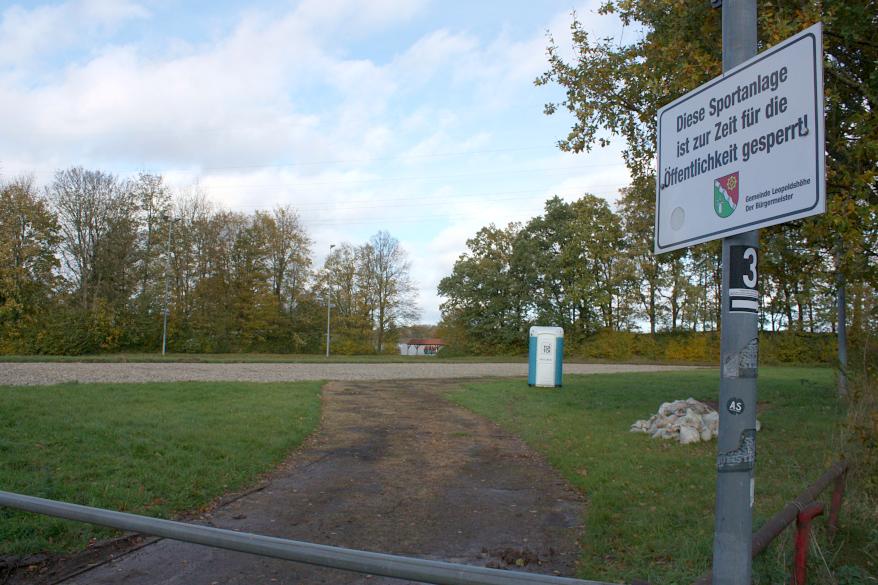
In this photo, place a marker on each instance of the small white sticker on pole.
(745, 150)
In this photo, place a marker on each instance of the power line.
(395, 179)
(201, 170)
(382, 159)
(197, 169)
(310, 222)
(421, 201)
(411, 201)
(412, 178)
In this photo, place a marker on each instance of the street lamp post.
(167, 309)
(328, 299)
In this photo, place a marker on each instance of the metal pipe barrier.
(372, 563)
(777, 523)
(803, 531)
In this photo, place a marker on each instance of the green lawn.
(155, 449)
(651, 502)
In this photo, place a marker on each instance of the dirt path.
(394, 468)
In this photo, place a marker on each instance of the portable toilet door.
(545, 356)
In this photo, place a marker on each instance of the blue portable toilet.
(546, 349)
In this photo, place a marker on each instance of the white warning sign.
(744, 150)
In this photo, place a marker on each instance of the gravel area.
(55, 373)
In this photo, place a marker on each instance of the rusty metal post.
(803, 531)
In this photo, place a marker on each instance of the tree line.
(92, 262)
(596, 267)
(589, 267)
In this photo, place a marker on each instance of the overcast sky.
(413, 116)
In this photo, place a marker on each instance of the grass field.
(651, 502)
(155, 449)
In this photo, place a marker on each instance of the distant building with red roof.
(421, 346)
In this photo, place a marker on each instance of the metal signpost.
(743, 151)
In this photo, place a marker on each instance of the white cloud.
(373, 144)
(25, 34)
(354, 18)
(433, 53)
(238, 100)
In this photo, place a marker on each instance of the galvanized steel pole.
(732, 558)
(372, 563)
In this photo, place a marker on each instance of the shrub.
(789, 347)
(691, 347)
(609, 345)
(452, 351)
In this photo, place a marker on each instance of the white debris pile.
(688, 421)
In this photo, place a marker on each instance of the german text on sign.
(744, 150)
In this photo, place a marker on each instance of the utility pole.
(167, 308)
(739, 343)
(328, 298)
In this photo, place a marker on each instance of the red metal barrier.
(777, 523)
(803, 532)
